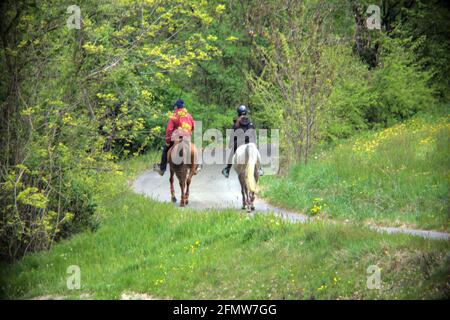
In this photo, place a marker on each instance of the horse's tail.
(194, 159)
(251, 154)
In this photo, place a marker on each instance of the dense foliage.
(74, 101)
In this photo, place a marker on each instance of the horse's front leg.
(172, 189)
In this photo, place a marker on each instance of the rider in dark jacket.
(241, 122)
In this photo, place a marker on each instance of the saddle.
(186, 146)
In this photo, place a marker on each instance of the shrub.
(402, 87)
(38, 209)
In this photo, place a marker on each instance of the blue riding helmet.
(179, 104)
(241, 110)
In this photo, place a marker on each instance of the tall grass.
(398, 176)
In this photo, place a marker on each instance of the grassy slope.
(399, 176)
(145, 246)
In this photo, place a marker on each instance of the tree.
(296, 78)
(74, 100)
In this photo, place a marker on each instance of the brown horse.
(182, 158)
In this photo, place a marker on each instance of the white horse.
(246, 162)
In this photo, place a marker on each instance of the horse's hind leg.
(182, 187)
(188, 183)
(248, 200)
(252, 199)
(172, 189)
(243, 199)
(242, 183)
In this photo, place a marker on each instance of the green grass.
(155, 248)
(396, 177)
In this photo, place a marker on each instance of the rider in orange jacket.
(180, 121)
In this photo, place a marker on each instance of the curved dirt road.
(210, 190)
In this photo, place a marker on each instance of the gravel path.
(210, 190)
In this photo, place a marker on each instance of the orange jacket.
(181, 120)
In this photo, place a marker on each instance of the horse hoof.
(252, 208)
(186, 203)
(243, 207)
(181, 204)
(174, 199)
(249, 210)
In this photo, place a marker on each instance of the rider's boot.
(260, 171)
(226, 172)
(159, 170)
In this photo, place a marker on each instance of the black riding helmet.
(241, 110)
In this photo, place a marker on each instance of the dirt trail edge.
(210, 190)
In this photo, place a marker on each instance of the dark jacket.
(244, 123)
